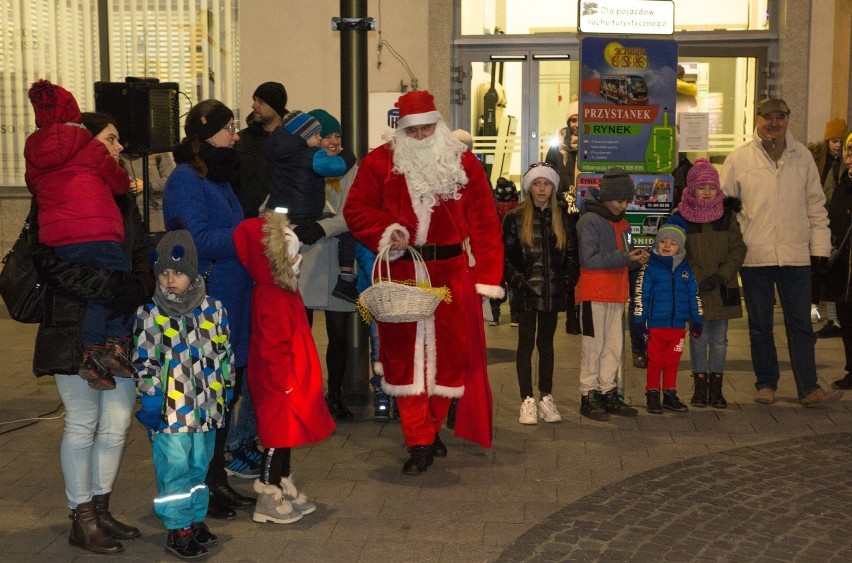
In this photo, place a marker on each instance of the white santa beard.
(431, 166)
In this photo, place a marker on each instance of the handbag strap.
(845, 238)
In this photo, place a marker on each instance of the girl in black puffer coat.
(540, 242)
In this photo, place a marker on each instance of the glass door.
(514, 103)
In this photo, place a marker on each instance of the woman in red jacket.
(284, 372)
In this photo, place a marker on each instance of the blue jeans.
(712, 343)
(97, 327)
(96, 424)
(637, 343)
(180, 462)
(243, 429)
(794, 290)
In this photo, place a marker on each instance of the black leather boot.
(232, 498)
(87, 533)
(182, 543)
(218, 510)
(420, 460)
(716, 399)
(700, 390)
(112, 526)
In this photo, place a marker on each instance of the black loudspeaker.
(147, 113)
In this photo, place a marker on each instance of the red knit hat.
(416, 108)
(53, 104)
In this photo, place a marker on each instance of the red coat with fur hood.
(284, 371)
(75, 181)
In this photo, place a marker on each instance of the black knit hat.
(616, 185)
(275, 96)
(206, 118)
(176, 251)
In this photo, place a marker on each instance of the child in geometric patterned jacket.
(184, 377)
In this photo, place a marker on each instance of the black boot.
(232, 498)
(699, 395)
(438, 447)
(338, 409)
(88, 534)
(112, 526)
(672, 402)
(716, 399)
(653, 397)
(614, 404)
(202, 534)
(182, 543)
(420, 460)
(843, 384)
(218, 510)
(592, 406)
(451, 414)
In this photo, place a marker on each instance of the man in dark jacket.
(268, 108)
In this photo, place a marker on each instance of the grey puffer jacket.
(540, 276)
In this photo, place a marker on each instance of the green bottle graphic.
(659, 154)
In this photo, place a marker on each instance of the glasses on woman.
(230, 128)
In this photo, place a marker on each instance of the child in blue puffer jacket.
(666, 299)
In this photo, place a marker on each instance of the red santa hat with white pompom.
(416, 108)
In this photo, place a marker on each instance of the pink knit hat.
(697, 210)
(701, 174)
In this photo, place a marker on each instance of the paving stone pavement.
(789, 500)
(628, 489)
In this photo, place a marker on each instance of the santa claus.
(423, 188)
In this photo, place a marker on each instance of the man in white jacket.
(785, 227)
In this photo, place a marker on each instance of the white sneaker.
(815, 316)
(528, 412)
(547, 410)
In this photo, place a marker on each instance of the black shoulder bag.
(21, 287)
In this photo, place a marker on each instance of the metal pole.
(353, 109)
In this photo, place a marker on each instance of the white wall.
(293, 43)
(821, 59)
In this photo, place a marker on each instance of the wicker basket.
(390, 301)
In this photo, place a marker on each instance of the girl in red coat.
(284, 372)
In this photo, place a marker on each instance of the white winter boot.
(272, 506)
(299, 501)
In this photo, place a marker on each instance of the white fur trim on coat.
(386, 239)
(378, 368)
(490, 291)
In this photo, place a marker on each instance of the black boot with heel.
(88, 534)
(113, 527)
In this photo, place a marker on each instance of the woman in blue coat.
(198, 197)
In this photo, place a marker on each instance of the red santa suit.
(431, 359)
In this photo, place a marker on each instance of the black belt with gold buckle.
(431, 252)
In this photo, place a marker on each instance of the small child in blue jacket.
(666, 299)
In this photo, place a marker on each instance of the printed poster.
(627, 104)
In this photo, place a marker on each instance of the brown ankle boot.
(86, 532)
(110, 525)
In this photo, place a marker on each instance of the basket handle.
(382, 266)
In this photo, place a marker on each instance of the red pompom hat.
(417, 108)
(53, 104)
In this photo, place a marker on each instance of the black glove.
(309, 233)
(126, 299)
(711, 282)
(819, 264)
